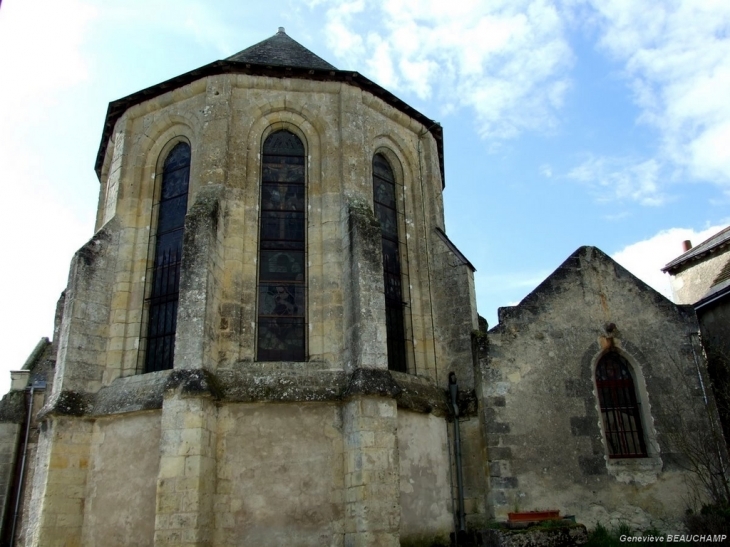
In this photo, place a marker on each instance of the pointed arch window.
(386, 211)
(164, 273)
(620, 410)
(282, 250)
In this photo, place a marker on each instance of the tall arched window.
(282, 251)
(384, 200)
(620, 409)
(164, 273)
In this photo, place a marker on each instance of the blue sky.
(566, 123)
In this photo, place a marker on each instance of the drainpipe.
(39, 384)
(454, 391)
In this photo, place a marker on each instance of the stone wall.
(9, 440)
(693, 280)
(225, 119)
(546, 448)
(427, 512)
(120, 493)
(280, 476)
(241, 452)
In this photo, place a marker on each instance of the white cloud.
(50, 34)
(622, 179)
(646, 258)
(677, 58)
(506, 60)
(41, 231)
(42, 236)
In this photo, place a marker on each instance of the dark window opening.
(164, 272)
(282, 251)
(620, 410)
(386, 212)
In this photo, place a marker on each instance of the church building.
(271, 340)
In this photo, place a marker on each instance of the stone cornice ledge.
(147, 391)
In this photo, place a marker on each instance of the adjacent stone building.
(701, 277)
(594, 396)
(257, 344)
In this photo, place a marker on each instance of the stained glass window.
(164, 271)
(387, 213)
(282, 245)
(620, 409)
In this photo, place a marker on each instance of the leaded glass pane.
(282, 197)
(165, 274)
(281, 266)
(281, 339)
(284, 143)
(282, 230)
(168, 243)
(282, 171)
(381, 168)
(391, 257)
(178, 158)
(172, 214)
(282, 288)
(176, 183)
(388, 221)
(384, 193)
(385, 211)
(281, 300)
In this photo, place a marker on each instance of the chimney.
(686, 245)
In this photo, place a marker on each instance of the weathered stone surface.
(121, 487)
(366, 381)
(253, 383)
(13, 407)
(542, 416)
(131, 394)
(425, 485)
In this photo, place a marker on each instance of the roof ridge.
(713, 242)
(281, 50)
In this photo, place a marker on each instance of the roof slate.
(281, 50)
(235, 66)
(710, 245)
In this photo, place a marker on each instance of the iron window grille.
(385, 208)
(620, 410)
(164, 271)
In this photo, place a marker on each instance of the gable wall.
(546, 449)
(692, 283)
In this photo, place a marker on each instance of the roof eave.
(679, 263)
(117, 108)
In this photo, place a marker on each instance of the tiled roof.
(720, 240)
(280, 50)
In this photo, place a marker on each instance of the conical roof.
(280, 50)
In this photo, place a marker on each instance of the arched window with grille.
(620, 409)
(386, 211)
(163, 274)
(282, 251)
